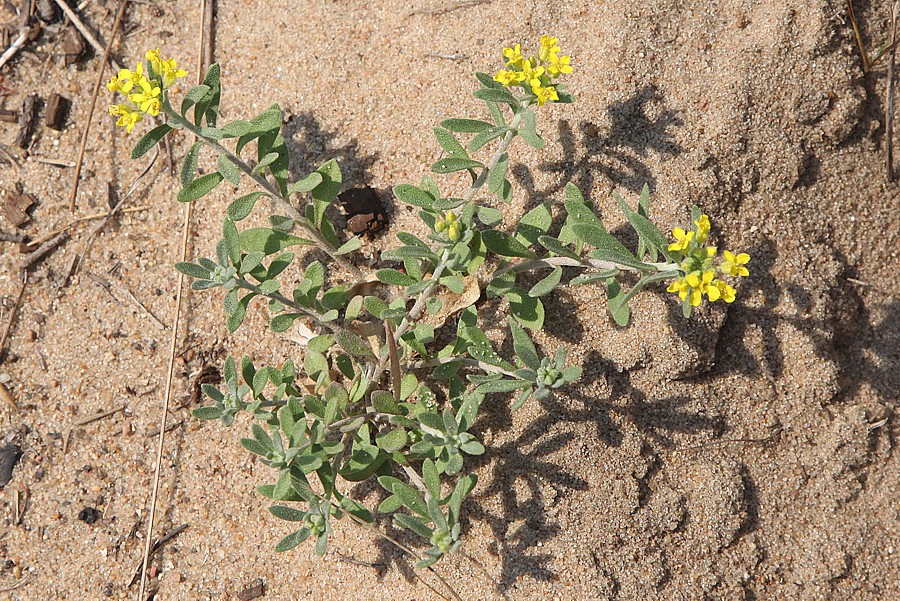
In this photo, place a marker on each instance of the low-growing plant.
(374, 395)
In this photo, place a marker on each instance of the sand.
(745, 454)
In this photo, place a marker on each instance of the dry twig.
(89, 36)
(87, 124)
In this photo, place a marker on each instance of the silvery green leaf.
(490, 217)
(547, 284)
(332, 179)
(394, 277)
(269, 241)
(466, 126)
(480, 139)
(206, 413)
(292, 540)
(306, 184)
(349, 246)
(528, 310)
(189, 164)
(524, 347)
(192, 270)
(618, 306)
(200, 187)
(452, 164)
(150, 140)
(488, 81)
(228, 170)
(353, 345)
(241, 207)
(534, 223)
(412, 195)
(497, 175)
(505, 245)
(392, 441)
(449, 143)
(497, 95)
(528, 130)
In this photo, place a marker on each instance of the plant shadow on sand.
(618, 155)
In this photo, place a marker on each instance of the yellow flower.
(509, 78)
(128, 117)
(514, 57)
(703, 226)
(549, 48)
(124, 81)
(170, 71)
(727, 291)
(148, 98)
(559, 65)
(734, 265)
(155, 59)
(683, 240)
(544, 94)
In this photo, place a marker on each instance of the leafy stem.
(280, 201)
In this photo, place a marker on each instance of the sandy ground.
(747, 454)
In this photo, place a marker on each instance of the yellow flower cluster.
(145, 92)
(697, 265)
(535, 74)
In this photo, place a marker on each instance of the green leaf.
(307, 184)
(529, 132)
(206, 413)
(192, 270)
(232, 242)
(523, 346)
(618, 305)
(452, 164)
(577, 208)
(648, 232)
(466, 126)
(528, 310)
(498, 95)
(282, 322)
(496, 113)
(241, 207)
(393, 441)
(353, 344)
(546, 285)
(412, 195)
(394, 277)
(268, 241)
(354, 243)
(498, 386)
(289, 514)
(497, 175)
(228, 170)
(479, 140)
(534, 224)
(505, 245)
(150, 139)
(268, 120)
(267, 160)
(192, 97)
(292, 540)
(189, 164)
(449, 143)
(332, 179)
(488, 81)
(432, 479)
(557, 247)
(611, 249)
(200, 187)
(383, 402)
(488, 216)
(208, 106)
(236, 129)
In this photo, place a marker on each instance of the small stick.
(156, 547)
(12, 314)
(88, 35)
(889, 102)
(171, 427)
(145, 309)
(43, 249)
(75, 222)
(867, 64)
(87, 420)
(90, 115)
(55, 162)
(26, 32)
(451, 57)
(16, 585)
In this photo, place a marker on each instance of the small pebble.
(89, 515)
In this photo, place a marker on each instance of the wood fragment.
(12, 315)
(26, 120)
(31, 259)
(73, 46)
(7, 397)
(8, 116)
(89, 36)
(27, 32)
(56, 112)
(15, 206)
(257, 589)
